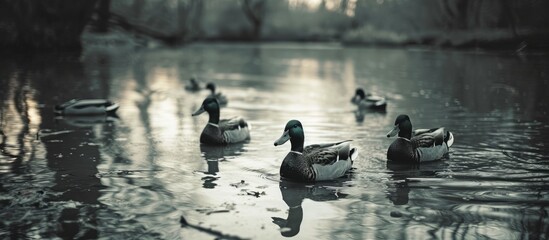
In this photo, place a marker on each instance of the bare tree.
(343, 5)
(28, 25)
(255, 12)
(103, 16)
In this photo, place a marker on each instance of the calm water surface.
(133, 177)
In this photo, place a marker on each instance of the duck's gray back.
(332, 171)
(432, 153)
(236, 135)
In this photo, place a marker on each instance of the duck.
(418, 146)
(317, 162)
(193, 85)
(368, 101)
(221, 131)
(222, 99)
(86, 107)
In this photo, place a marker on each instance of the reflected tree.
(16, 87)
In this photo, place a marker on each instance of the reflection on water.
(361, 114)
(402, 175)
(293, 195)
(215, 154)
(88, 121)
(138, 173)
(74, 161)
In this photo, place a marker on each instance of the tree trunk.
(28, 25)
(103, 16)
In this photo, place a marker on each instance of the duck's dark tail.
(353, 154)
(345, 152)
(449, 139)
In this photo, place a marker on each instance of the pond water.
(135, 176)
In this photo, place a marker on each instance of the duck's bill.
(393, 132)
(199, 111)
(284, 138)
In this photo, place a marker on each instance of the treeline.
(54, 24)
(455, 23)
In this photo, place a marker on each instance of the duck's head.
(211, 106)
(359, 93)
(193, 81)
(293, 132)
(403, 127)
(211, 86)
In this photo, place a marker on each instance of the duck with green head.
(315, 162)
(421, 145)
(222, 99)
(368, 101)
(221, 131)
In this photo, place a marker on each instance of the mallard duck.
(421, 145)
(219, 96)
(222, 131)
(314, 162)
(368, 101)
(193, 85)
(86, 107)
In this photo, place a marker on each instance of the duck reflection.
(294, 193)
(88, 121)
(213, 155)
(401, 173)
(360, 113)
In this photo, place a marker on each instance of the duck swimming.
(224, 131)
(219, 96)
(421, 145)
(315, 162)
(86, 107)
(193, 85)
(368, 101)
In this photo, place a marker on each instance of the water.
(135, 176)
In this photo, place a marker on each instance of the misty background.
(27, 24)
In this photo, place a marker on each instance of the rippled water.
(136, 175)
